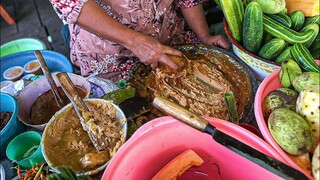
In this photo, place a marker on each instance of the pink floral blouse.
(93, 54)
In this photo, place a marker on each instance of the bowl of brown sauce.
(37, 103)
(66, 143)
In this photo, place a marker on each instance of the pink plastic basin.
(157, 142)
(270, 83)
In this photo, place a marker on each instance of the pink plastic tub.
(157, 142)
(270, 83)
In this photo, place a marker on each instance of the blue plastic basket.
(56, 62)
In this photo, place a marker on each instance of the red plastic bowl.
(270, 83)
(157, 142)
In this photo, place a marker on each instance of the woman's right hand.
(151, 52)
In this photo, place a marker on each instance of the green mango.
(278, 98)
(291, 132)
(305, 80)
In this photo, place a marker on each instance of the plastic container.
(30, 93)
(13, 73)
(157, 142)
(56, 62)
(20, 45)
(4, 84)
(13, 127)
(261, 67)
(32, 67)
(25, 149)
(270, 83)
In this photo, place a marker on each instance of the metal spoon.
(48, 75)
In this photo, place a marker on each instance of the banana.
(289, 70)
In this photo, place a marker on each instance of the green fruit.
(279, 98)
(305, 80)
(272, 48)
(308, 107)
(291, 132)
(233, 12)
(280, 31)
(286, 54)
(297, 20)
(304, 58)
(316, 163)
(272, 6)
(289, 70)
(252, 27)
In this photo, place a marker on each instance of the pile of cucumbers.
(265, 29)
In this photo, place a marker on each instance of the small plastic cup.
(25, 149)
(33, 67)
(14, 73)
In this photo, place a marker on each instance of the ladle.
(100, 141)
(48, 75)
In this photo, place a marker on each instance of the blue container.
(55, 61)
(14, 126)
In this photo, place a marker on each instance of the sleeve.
(68, 10)
(188, 3)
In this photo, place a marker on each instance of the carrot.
(176, 167)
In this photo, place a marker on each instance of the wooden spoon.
(48, 75)
(100, 141)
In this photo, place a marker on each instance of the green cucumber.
(284, 55)
(297, 19)
(253, 27)
(281, 18)
(266, 37)
(233, 12)
(217, 3)
(272, 48)
(313, 19)
(304, 58)
(315, 28)
(280, 31)
(315, 48)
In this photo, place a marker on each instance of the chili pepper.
(26, 176)
(39, 172)
(34, 170)
(19, 173)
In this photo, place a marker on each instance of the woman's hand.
(197, 22)
(218, 40)
(151, 52)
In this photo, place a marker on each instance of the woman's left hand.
(218, 40)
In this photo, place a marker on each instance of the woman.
(108, 36)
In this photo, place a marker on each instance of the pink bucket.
(157, 142)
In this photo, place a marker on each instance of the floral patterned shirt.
(157, 18)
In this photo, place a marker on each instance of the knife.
(193, 120)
